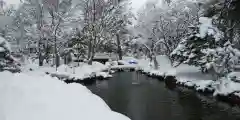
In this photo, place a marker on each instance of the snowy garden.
(50, 50)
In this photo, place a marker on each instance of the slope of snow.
(33, 97)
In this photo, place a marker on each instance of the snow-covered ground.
(165, 67)
(41, 97)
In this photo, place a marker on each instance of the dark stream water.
(151, 100)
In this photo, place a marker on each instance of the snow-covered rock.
(234, 76)
(34, 97)
(226, 87)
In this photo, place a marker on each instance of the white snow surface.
(71, 71)
(83, 71)
(235, 75)
(225, 87)
(35, 97)
(165, 67)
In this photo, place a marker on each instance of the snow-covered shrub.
(7, 61)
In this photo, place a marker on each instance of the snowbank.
(197, 84)
(235, 76)
(191, 77)
(72, 72)
(225, 87)
(34, 97)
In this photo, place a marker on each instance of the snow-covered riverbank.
(70, 72)
(191, 77)
(41, 97)
(185, 75)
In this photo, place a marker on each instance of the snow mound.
(104, 74)
(226, 87)
(203, 84)
(234, 76)
(45, 98)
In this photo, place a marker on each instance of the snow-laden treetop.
(206, 28)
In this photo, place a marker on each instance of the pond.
(152, 100)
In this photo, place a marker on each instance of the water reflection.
(151, 100)
(102, 84)
(195, 108)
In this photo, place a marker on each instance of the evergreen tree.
(204, 48)
(191, 50)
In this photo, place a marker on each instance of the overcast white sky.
(137, 4)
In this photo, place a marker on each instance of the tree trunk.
(154, 58)
(57, 61)
(90, 60)
(40, 57)
(39, 26)
(91, 57)
(65, 59)
(94, 35)
(231, 31)
(89, 49)
(47, 52)
(170, 59)
(150, 56)
(91, 53)
(55, 50)
(119, 49)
